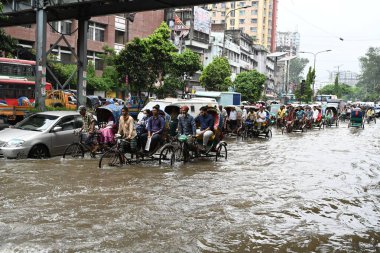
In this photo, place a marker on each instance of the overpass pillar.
(40, 87)
(82, 60)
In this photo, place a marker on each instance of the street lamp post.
(315, 58)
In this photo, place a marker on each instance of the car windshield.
(37, 122)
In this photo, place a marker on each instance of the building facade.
(256, 18)
(102, 31)
(346, 77)
(288, 42)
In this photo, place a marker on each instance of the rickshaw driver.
(186, 122)
(370, 113)
(206, 122)
(126, 129)
(88, 129)
(315, 113)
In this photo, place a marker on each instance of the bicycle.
(78, 149)
(117, 156)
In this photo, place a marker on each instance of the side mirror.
(57, 129)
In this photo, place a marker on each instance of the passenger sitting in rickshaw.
(127, 131)
(206, 122)
(186, 122)
(261, 117)
(107, 133)
(309, 114)
(300, 115)
(141, 126)
(173, 123)
(155, 127)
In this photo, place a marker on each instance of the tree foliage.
(296, 68)
(144, 60)
(369, 83)
(215, 75)
(7, 43)
(308, 92)
(250, 84)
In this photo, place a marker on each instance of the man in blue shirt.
(206, 122)
(186, 122)
(155, 127)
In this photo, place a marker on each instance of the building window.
(223, 13)
(232, 14)
(119, 37)
(241, 21)
(96, 31)
(254, 21)
(27, 26)
(241, 3)
(61, 26)
(92, 56)
(232, 22)
(214, 14)
(242, 12)
(253, 29)
(63, 54)
(232, 5)
(254, 3)
(223, 5)
(254, 12)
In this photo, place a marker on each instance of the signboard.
(202, 20)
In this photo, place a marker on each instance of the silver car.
(40, 135)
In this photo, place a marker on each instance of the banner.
(202, 20)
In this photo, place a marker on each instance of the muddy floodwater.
(313, 192)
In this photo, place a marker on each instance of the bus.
(12, 89)
(17, 69)
(325, 98)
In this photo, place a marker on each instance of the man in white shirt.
(261, 117)
(232, 118)
(244, 113)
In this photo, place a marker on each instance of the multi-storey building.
(256, 18)
(288, 42)
(346, 77)
(105, 30)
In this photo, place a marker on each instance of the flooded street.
(312, 192)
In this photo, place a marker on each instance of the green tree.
(343, 91)
(369, 82)
(215, 75)
(250, 84)
(187, 63)
(296, 68)
(337, 89)
(7, 44)
(308, 91)
(144, 61)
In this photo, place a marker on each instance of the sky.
(322, 22)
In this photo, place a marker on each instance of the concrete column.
(40, 86)
(82, 63)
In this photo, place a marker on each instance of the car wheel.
(39, 152)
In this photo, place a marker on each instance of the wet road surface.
(312, 192)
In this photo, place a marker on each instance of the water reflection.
(317, 191)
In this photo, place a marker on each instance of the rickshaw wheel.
(221, 152)
(363, 125)
(268, 136)
(73, 151)
(167, 155)
(111, 158)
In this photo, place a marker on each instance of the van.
(194, 104)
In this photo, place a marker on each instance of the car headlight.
(15, 143)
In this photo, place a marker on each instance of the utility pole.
(40, 84)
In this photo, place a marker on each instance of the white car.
(40, 135)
